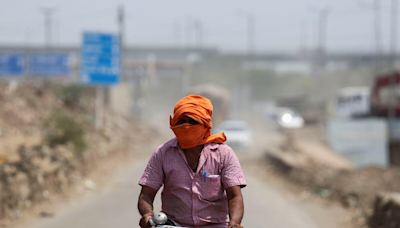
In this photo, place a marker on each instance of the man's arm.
(236, 207)
(145, 205)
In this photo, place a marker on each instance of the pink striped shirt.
(193, 199)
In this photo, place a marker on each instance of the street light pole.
(393, 32)
(198, 25)
(47, 12)
(377, 29)
(376, 7)
(251, 35)
(176, 32)
(251, 32)
(121, 26)
(322, 31)
(251, 49)
(393, 55)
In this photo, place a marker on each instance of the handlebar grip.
(152, 223)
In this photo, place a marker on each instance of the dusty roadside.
(324, 213)
(52, 157)
(101, 177)
(115, 206)
(304, 160)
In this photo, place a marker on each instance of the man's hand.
(144, 221)
(233, 224)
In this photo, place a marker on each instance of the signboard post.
(101, 65)
(12, 64)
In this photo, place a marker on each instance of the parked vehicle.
(237, 133)
(353, 102)
(382, 98)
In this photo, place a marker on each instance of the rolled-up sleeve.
(153, 175)
(232, 174)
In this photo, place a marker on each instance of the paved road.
(117, 207)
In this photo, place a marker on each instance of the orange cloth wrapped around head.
(200, 109)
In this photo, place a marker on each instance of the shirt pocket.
(212, 188)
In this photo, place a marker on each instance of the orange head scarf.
(200, 109)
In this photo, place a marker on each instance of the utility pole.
(121, 28)
(323, 21)
(251, 48)
(322, 31)
(246, 88)
(251, 35)
(393, 55)
(28, 35)
(376, 7)
(377, 29)
(188, 31)
(194, 32)
(393, 33)
(48, 13)
(176, 32)
(303, 41)
(199, 33)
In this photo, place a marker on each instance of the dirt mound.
(332, 179)
(24, 107)
(357, 187)
(30, 170)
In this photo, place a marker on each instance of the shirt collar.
(208, 146)
(175, 143)
(212, 146)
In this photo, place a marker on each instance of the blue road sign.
(101, 63)
(49, 65)
(12, 64)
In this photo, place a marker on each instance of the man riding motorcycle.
(201, 175)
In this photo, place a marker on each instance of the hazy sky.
(281, 25)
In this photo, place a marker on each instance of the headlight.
(287, 118)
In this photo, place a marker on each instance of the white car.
(237, 133)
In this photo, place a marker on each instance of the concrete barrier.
(363, 141)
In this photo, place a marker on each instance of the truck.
(382, 98)
(385, 95)
(363, 110)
